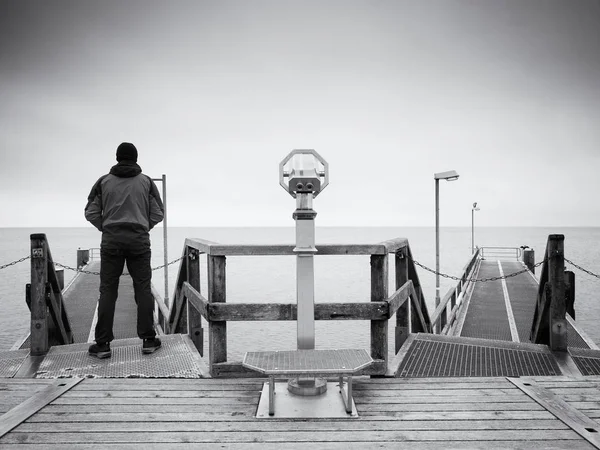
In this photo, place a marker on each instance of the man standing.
(124, 205)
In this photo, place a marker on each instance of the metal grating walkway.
(178, 358)
(588, 361)
(486, 316)
(445, 356)
(10, 362)
(522, 292)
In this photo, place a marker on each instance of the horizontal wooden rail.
(213, 249)
(287, 311)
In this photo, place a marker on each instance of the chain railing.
(422, 266)
(582, 269)
(89, 272)
(74, 269)
(478, 280)
(25, 258)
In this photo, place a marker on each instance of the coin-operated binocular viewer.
(304, 174)
(307, 175)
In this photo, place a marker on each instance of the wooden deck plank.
(272, 425)
(430, 445)
(244, 414)
(293, 436)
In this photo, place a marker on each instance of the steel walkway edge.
(177, 358)
(428, 356)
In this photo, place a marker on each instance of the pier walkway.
(504, 309)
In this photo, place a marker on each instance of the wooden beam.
(574, 419)
(58, 315)
(399, 297)
(379, 292)
(196, 303)
(217, 294)
(215, 249)
(558, 307)
(39, 277)
(403, 309)
(195, 299)
(33, 404)
(424, 325)
(288, 311)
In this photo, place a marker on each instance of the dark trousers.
(111, 268)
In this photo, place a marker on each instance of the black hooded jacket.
(125, 205)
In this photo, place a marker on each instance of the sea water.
(271, 279)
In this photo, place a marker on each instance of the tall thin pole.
(166, 255)
(472, 230)
(437, 242)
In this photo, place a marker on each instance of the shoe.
(150, 345)
(100, 350)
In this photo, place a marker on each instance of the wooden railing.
(554, 299)
(189, 305)
(445, 314)
(44, 298)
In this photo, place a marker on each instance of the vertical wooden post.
(83, 257)
(403, 313)
(39, 309)
(415, 322)
(184, 274)
(60, 278)
(443, 319)
(379, 292)
(217, 331)
(558, 307)
(529, 259)
(570, 292)
(194, 317)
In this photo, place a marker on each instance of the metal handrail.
(497, 252)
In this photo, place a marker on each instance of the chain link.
(582, 269)
(476, 280)
(4, 266)
(89, 272)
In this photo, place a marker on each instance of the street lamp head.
(450, 175)
(475, 208)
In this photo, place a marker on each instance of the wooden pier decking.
(556, 413)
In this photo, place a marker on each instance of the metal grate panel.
(11, 361)
(345, 361)
(486, 316)
(522, 291)
(574, 339)
(174, 360)
(436, 358)
(587, 360)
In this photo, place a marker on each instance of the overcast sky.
(215, 94)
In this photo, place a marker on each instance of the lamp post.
(166, 255)
(450, 175)
(475, 208)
